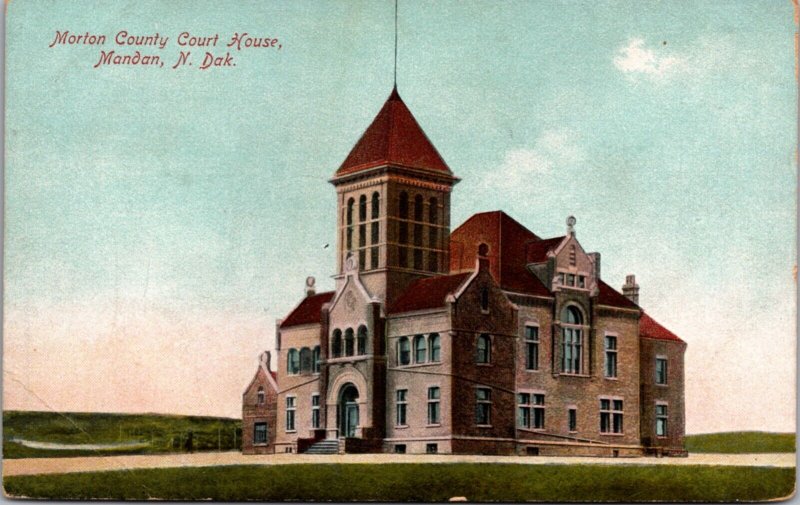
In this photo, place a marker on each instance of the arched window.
(418, 210)
(571, 340)
(293, 362)
(435, 347)
(362, 340)
(336, 345)
(350, 203)
(261, 396)
(349, 239)
(305, 360)
(348, 342)
(420, 349)
(484, 298)
(484, 349)
(402, 251)
(376, 205)
(403, 351)
(315, 359)
(362, 208)
(403, 205)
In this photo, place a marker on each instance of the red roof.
(612, 297)
(393, 138)
(650, 328)
(428, 293)
(309, 310)
(508, 242)
(537, 251)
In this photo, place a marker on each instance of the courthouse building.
(485, 339)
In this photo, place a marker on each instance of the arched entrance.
(347, 411)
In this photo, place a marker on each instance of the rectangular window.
(532, 347)
(433, 405)
(290, 409)
(260, 433)
(661, 420)
(611, 413)
(483, 406)
(432, 448)
(661, 370)
(611, 356)
(571, 349)
(573, 419)
(401, 406)
(400, 449)
(581, 281)
(315, 411)
(570, 279)
(374, 257)
(530, 410)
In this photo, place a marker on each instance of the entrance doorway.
(347, 419)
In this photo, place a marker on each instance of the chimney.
(630, 289)
(266, 360)
(310, 289)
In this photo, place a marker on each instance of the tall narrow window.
(336, 344)
(531, 347)
(611, 356)
(375, 231)
(316, 358)
(293, 362)
(403, 230)
(403, 351)
(261, 395)
(376, 205)
(260, 433)
(661, 370)
(571, 340)
(420, 350)
(433, 405)
(611, 413)
(290, 411)
(484, 299)
(483, 352)
(362, 209)
(418, 210)
(572, 421)
(435, 347)
(483, 406)
(350, 205)
(315, 411)
(305, 360)
(661, 420)
(348, 342)
(400, 406)
(362, 340)
(433, 235)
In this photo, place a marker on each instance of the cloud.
(521, 166)
(637, 60)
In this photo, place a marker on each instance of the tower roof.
(393, 138)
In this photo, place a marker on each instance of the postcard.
(400, 251)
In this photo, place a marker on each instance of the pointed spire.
(394, 138)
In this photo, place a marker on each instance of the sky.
(158, 221)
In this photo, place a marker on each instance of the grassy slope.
(741, 442)
(165, 432)
(419, 482)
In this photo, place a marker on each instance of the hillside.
(29, 434)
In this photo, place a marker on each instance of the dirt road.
(101, 463)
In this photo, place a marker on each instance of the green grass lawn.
(418, 482)
(739, 442)
(162, 433)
